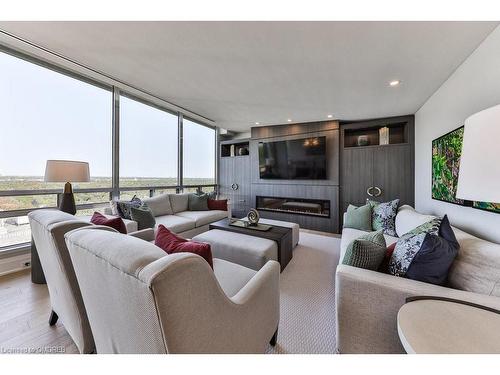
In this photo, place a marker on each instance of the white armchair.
(140, 300)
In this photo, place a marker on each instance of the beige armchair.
(48, 228)
(140, 300)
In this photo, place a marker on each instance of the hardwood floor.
(24, 318)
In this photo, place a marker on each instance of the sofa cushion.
(124, 207)
(408, 219)
(176, 223)
(203, 217)
(359, 217)
(384, 216)
(366, 252)
(171, 244)
(197, 202)
(114, 222)
(433, 260)
(131, 225)
(179, 202)
(350, 234)
(231, 276)
(143, 216)
(159, 205)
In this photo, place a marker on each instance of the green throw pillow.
(359, 217)
(143, 216)
(198, 202)
(367, 251)
(384, 216)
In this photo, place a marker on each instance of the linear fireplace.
(300, 206)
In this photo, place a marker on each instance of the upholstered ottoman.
(248, 251)
(285, 224)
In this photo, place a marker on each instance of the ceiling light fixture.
(289, 120)
(257, 123)
(330, 116)
(396, 82)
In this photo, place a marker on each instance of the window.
(199, 154)
(148, 146)
(47, 115)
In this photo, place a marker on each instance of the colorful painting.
(446, 152)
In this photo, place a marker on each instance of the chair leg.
(274, 339)
(53, 318)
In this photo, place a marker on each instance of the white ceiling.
(238, 73)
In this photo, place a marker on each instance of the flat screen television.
(297, 159)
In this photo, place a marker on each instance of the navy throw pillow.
(435, 257)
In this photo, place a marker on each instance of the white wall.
(474, 86)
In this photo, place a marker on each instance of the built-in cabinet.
(370, 170)
(234, 177)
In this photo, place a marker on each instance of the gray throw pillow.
(409, 245)
(366, 252)
(143, 216)
(384, 216)
(125, 206)
(198, 202)
(359, 217)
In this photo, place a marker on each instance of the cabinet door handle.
(369, 191)
(378, 191)
(234, 186)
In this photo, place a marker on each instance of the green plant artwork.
(446, 152)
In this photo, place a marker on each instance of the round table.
(435, 326)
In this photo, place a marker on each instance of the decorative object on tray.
(247, 225)
(253, 217)
(363, 140)
(383, 135)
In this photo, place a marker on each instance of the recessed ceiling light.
(396, 82)
(330, 116)
(289, 120)
(257, 123)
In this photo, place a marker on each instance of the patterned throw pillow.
(366, 252)
(124, 207)
(384, 216)
(409, 245)
(144, 217)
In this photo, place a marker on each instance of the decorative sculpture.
(253, 216)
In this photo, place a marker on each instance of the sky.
(46, 115)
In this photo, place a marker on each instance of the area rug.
(307, 286)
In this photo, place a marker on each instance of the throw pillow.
(171, 243)
(408, 246)
(384, 216)
(217, 204)
(384, 266)
(113, 222)
(435, 257)
(124, 207)
(198, 202)
(144, 217)
(359, 217)
(366, 252)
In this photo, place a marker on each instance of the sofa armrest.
(368, 303)
(147, 234)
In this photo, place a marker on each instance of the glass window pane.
(128, 195)
(14, 230)
(199, 154)
(27, 202)
(48, 115)
(148, 145)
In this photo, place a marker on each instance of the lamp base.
(67, 203)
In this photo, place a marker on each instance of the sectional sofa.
(368, 301)
(172, 210)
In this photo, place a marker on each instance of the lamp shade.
(479, 174)
(67, 171)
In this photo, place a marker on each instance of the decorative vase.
(363, 140)
(253, 216)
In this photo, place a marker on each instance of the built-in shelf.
(234, 149)
(397, 135)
